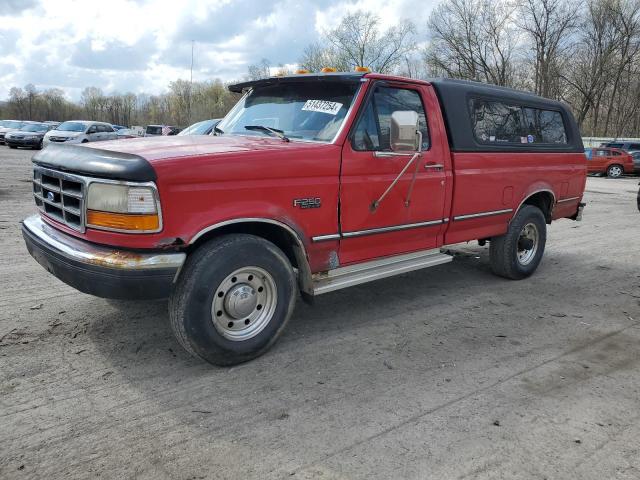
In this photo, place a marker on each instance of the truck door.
(410, 217)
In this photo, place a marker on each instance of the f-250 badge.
(313, 202)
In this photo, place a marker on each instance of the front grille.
(58, 139)
(60, 196)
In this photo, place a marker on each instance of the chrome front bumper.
(99, 270)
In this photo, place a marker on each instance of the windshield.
(71, 127)
(12, 124)
(200, 128)
(34, 128)
(307, 111)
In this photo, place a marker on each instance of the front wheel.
(614, 171)
(517, 253)
(232, 299)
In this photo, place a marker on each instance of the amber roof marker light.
(362, 69)
(302, 71)
(329, 70)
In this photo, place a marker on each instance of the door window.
(373, 129)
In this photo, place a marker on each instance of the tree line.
(586, 54)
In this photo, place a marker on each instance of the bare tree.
(548, 25)
(473, 39)
(359, 41)
(259, 70)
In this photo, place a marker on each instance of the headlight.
(117, 206)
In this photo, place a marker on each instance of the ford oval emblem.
(51, 197)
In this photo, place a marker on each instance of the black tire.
(12, 146)
(504, 250)
(201, 280)
(39, 146)
(615, 171)
(85, 141)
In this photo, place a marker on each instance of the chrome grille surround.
(61, 196)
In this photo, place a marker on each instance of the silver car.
(80, 131)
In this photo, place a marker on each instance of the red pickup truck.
(310, 184)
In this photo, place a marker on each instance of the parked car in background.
(610, 161)
(118, 127)
(204, 127)
(635, 156)
(6, 125)
(31, 135)
(127, 133)
(80, 131)
(623, 145)
(158, 130)
(52, 123)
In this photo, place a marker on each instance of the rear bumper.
(100, 270)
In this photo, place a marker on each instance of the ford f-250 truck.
(310, 184)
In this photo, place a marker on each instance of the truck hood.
(133, 159)
(155, 149)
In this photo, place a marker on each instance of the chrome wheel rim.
(615, 171)
(528, 243)
(244, 303)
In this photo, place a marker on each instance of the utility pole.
(191, 81)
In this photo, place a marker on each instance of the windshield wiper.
(277, 132)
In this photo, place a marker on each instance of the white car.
(80, 131)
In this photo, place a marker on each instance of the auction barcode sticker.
(322, 106)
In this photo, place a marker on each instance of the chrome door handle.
(437, 166)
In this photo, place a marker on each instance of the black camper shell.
(457, 99)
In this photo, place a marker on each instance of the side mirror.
(405, 135)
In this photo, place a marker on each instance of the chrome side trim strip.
(394, 228)
(324, 238)
(373, 231)
(482, 214)
(92, 254)
(571, 199)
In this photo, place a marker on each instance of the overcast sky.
(142, 45)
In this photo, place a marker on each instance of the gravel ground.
(446, 373)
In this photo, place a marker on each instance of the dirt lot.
(445, 373)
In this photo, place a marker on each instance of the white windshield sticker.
(322, 106)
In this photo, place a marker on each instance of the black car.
(629, 147)
(29, 135)
(636, 161)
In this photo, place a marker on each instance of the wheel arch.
(544, 199)
(280, 234)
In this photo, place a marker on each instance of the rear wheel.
(233, 299)
(615, 171)
(12, 146)
(518, 253)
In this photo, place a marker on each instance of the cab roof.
(303, 77)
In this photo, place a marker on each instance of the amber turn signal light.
(122, 221)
